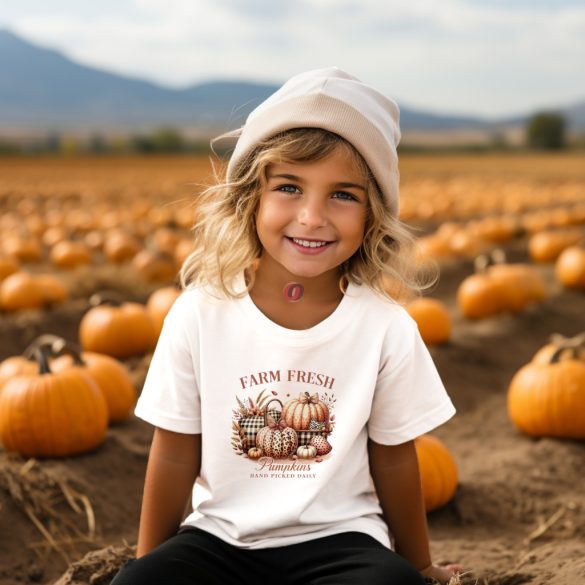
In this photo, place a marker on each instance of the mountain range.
(41, 89)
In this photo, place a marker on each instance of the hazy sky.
(482, 57)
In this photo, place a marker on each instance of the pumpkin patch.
(515, 495)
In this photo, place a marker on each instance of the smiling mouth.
(310, 243)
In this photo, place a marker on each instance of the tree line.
(543, 131)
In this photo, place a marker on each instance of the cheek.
(270, 216)
(355, 226)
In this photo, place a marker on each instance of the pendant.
(293, 292)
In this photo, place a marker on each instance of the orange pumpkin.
(480, 296)
(81, 220)
(547, 399)
(8, 266)
(183, 248)
(119, 331)
(54, 290)
(21, 290)
(23, 249)
(523, 283)
(498, 287)
(155, 266)
(94, 240)
(165, 239)
(255, 453)
(16, 365)
(52, 414)
(54, 235)
(68, 255)
(159, 304)
(433, 246)
(545, 246)
(112, 377)
(570, 267)
(397, 290)
(465, 243)
(120, 247)
(438, 471)
(496, 229)
(432, 318)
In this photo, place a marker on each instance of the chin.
(307, 273)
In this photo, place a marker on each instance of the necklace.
(293, 292)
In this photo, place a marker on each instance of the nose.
(312, 213)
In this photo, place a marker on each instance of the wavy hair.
(226, 242)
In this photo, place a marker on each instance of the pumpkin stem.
(556, 356)
(562, 341)
(484, 261)
(74, 350)
(41, 355)
(54, 342)
(106, 297)
(578, 340)
(54, 346)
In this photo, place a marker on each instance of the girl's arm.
(395, 472)
(173, 466)
(394, 469)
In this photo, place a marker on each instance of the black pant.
(195, 557)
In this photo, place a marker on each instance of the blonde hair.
(226, 242)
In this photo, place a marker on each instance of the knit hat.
(340, 103)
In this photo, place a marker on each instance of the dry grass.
(42, 496)
(97, 567)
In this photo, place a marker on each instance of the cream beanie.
(340, 103)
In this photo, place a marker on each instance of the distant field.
(178, 176)
(157, 175)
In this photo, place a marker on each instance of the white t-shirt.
(361, 372)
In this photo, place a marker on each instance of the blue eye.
(345, 196)
(287, 188)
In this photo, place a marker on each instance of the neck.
(270, 281)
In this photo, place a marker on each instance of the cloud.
(464, 56)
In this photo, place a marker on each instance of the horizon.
(488, 60)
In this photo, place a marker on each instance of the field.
(518, 515)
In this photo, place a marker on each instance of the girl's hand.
(441, 573)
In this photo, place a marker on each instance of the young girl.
(287, 387)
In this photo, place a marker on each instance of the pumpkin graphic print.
(276, 439)
(296, 429)
(300, 412)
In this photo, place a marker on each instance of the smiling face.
(311, 216)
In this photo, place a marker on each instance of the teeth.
(309, 244)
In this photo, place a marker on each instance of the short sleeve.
(170, 397)
(410, 398)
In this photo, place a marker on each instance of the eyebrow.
(342, 185)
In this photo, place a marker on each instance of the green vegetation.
(164, 140)
(546, 131)
(543, 131)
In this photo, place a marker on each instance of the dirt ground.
(518, 515)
